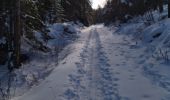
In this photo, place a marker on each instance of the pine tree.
(59, 11)
(77, 10)
(20, 19)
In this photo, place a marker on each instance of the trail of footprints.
(106, 85)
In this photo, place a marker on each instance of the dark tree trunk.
(160, 6)
(11, 32)
(17, 34)
(168, 8)
(10, 41)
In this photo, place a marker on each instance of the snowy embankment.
(52, 88)
(154, 39)
(39, 64)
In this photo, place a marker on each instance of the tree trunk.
(17, 34)
(160, 3)
(10, 40)
(11, 32)
(168, 8)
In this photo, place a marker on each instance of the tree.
(75, 10)
(160, 4)
(21, 19)
(168, 8)
(17, 34)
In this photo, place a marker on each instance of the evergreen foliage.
(21, 19)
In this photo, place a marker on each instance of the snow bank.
(157, 33)
(149, 33)
(62, 34)
(154, 40)
(40, 64)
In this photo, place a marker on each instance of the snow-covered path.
(101, 66)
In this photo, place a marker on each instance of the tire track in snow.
(93, 80)
(107, 82)
(73, 92)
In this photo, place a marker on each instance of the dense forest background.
(123, 10)
(21, 18)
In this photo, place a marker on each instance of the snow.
(3, 40)
(39, 64)
(60, 33)
(123, 1)
(127, 62)
(126, 2)
(104, 64)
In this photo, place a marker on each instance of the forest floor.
(102, 65)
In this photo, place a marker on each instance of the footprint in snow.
(75, 79)
(134, 47)
(141, 56)
(132, 75)
(80, 68)
(115, 84)
(131, 78)
(121, 54)
(116, 79)
(70, 94)
(117, 73)
(146, 96)
(141, 62)
(124, 62)
(125, 98)
(117, 64)
(64, 63)
(130, 70)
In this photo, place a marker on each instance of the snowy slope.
(39, 64)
